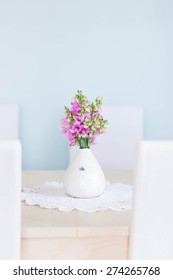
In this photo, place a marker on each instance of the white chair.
(151, 234)
(10, 188)
(10, 183)
(116, 148)
(9, 116)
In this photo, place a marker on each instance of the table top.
(51, 223)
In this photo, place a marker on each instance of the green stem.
(84, 143)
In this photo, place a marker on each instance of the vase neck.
(84, 150)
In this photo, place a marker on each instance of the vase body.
(84, 177)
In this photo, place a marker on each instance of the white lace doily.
(52, 195)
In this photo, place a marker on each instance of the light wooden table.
(51, 234)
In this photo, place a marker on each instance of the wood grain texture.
(94, 248)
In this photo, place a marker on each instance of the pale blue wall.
(121, 49)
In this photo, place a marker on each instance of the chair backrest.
(10, 193)
(116, 148)
(151, 234)
(10, 182)
(9, 115)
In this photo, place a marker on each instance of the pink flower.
(65, 125)
(75, 128)
(84, 129)
(71, 137)
(78, 119)
(86, 116)
(94, 114)
(75, 107)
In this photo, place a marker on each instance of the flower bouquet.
(83, 122)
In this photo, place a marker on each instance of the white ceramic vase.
(84, 177)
